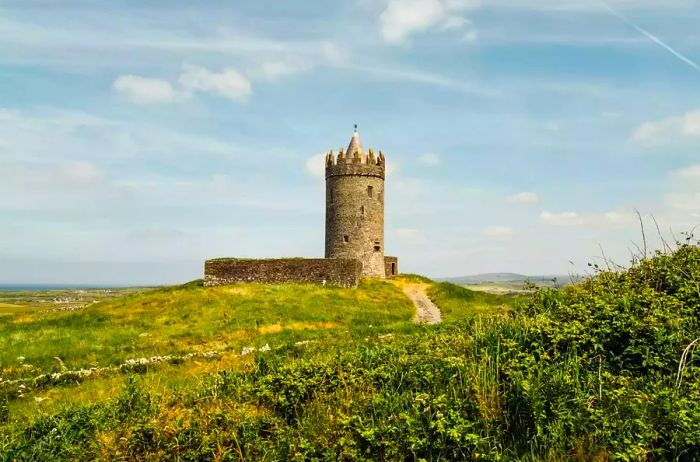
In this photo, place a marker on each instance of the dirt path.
(427, 311)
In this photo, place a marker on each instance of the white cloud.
(525, 197)
(692, 172)
(454, 22)
(403, 18)
(80, 172)
(669, 129)
(144, 90)
(316, 166)
(229, 83)
(79, 182)
(498, 232)
(429, 158)
(683, 200)
(275, 70)
(561, 219)
(587, 5)
(617, 218)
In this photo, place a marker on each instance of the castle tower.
(355, 207)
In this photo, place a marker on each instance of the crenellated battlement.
(355, 208)
(355, 163)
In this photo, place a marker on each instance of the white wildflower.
(265, 348)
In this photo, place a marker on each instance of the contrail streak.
(652, 37)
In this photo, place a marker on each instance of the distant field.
(61, 298)
(509, 287)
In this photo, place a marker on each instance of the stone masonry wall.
(355, 221)
(355, 211)
(337, 272)
(392, 266)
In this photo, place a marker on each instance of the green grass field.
(301, 372)
(38, 337)
(181, 320)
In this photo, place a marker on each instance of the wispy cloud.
(561, 219)
(228, 83)
(403, 18)
(498, 232)
(145, 90)
(670, 129)
(652, 37)
(692, 172)
(430, 159)
(525, 197)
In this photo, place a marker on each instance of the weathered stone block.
(337, 272)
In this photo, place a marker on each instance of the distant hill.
(501, 277)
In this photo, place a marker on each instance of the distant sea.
(22, 287)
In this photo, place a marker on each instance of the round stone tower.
(355, 207)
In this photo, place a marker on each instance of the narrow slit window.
(370, 191)
(362, 210)
(393, 269)
(346, 238)
(377, 246)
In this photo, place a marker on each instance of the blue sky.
(139, 138)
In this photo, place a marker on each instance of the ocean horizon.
(36, 287)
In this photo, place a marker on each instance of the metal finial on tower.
(355, 144)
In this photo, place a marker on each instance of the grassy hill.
(190, 318)
(291, 372)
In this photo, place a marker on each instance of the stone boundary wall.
(336, 272)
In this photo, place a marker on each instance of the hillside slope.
(585, 373)
(187, 319)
